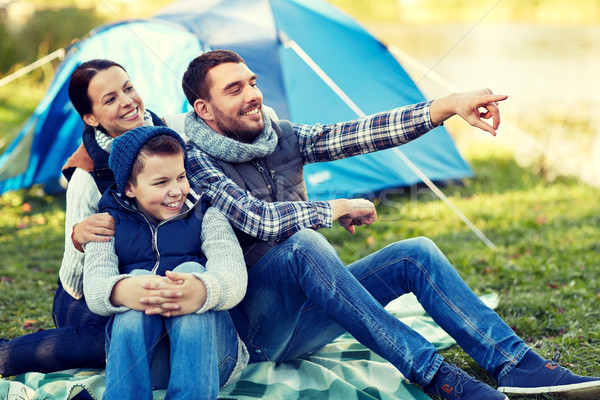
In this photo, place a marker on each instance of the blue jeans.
(301, 296)
(77, 341)
(203, 352)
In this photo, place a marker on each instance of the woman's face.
(116, 105)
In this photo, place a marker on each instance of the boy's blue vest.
(139, 244)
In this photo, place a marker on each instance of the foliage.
(42, 34)
(43, 30)
(10, 51)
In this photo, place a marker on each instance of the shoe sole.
(580, 391)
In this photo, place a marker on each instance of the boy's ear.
(203, 110)
(90, 120)
(129, 191)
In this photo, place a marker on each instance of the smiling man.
(300, 295)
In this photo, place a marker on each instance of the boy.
(163, 227)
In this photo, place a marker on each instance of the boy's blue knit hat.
(126, 148)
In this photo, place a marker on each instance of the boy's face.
(161, 187)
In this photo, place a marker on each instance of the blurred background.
(535, 191)
(543, 54)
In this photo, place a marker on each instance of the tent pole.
(315, 67)
(60, 53)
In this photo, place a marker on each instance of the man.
(300, 295)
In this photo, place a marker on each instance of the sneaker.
(549, 377)
(452, 383)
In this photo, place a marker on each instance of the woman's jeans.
(301, 296)
(77, 341)
(203, 352)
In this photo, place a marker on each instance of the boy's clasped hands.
(177, 293)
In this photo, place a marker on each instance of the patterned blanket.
(343, 370)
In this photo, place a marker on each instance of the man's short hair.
(195, 85)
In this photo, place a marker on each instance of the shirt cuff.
(323, 217)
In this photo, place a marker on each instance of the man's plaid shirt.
(317, 143)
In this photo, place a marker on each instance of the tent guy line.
(334, 41)
(288, 43)
(60, 54)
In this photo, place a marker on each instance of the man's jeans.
(77, 341)
(301, 296)
(203, 352)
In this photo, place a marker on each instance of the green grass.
(546, 264)
(545, 267)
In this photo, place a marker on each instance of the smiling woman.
(116, 106)
(104, 97)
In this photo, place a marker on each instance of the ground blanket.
(343, 370)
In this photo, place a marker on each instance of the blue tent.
(315, 64)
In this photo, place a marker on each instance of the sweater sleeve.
(258, 218)
(82, 201)
(226, 277)
(376, 132)
(101, 273)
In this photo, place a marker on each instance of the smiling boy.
(163, 227)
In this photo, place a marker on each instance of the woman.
(108, 103)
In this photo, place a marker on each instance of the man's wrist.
(339, 207)
(441, 109)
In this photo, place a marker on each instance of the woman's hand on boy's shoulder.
(95, 228)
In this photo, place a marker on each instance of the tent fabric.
(156, 51)
(342, 370)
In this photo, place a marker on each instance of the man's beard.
(233, 128)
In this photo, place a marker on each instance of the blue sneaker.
(549, 377)
(452, 383)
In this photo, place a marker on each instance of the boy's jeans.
(301, 296)
(203, 352)
(77, 341)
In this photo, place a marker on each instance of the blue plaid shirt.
(317, 143)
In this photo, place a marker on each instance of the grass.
(546, 264)
(545, 267)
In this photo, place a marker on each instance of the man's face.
(235, 107)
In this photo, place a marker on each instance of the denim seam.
(438, 360)
(377, 326)
(459, 312)
(513, 364)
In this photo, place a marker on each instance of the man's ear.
(90, 120)
(203, 110)
(129, 191)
